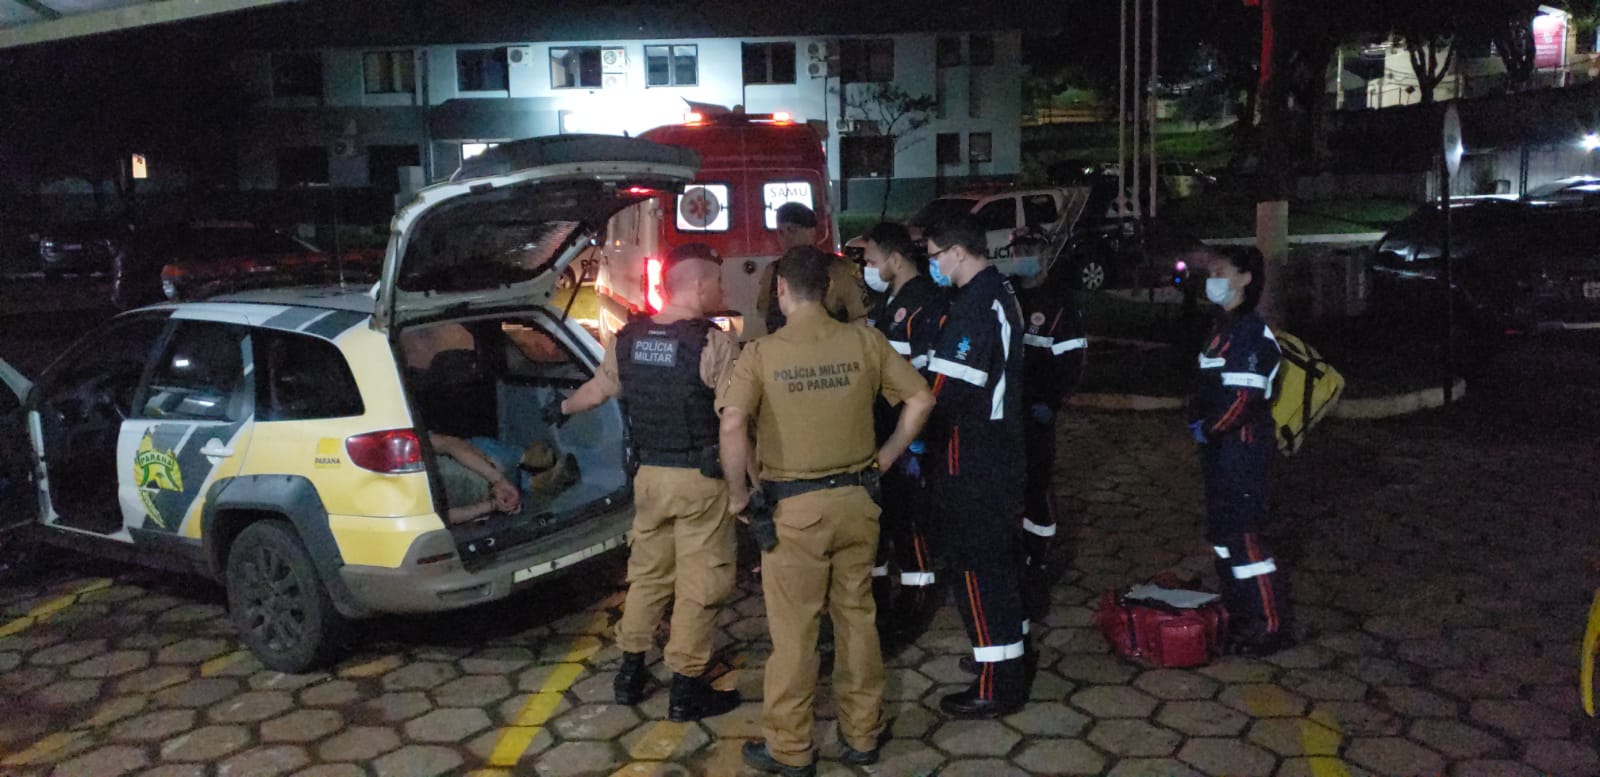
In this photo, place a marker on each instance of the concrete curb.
(1329, 239)
(1369, 409)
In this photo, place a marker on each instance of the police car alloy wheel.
(278, 603)
(1092, 275)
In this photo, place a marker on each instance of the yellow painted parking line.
(43, 748)
(1320, 735)
(518, 736)
(216, 665)
(372, 668)
(42, 612)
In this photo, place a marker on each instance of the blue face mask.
(938, 275)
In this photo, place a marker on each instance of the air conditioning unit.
(822, 50)
(520, 56)
(345, 148)
(614, 81)
(614, 60)
(856, 126)
(818, 69)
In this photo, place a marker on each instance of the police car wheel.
(278, 603)
(1092, 275)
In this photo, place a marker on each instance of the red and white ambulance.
(750, 164)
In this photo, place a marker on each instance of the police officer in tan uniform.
(810, 389)
(845, 299)
(666, 369)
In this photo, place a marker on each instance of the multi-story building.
(396, 116)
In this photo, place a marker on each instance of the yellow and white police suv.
(279, 440)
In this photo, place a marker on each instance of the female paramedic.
(1231, 418)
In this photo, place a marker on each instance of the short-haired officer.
(908, 315)
(1054, 347)
(810, 388)
(977, 451)
(666, 369)
(845, 300)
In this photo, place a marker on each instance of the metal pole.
(1138, 99)
(1449, 281)
(1122, 114)
(1155, 108)
(1338, 83)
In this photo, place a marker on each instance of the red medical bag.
(1160, 635)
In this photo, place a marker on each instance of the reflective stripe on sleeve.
(901, 347)
(1037, 530)
(916, 578)
(998, 653)
(882, 571)
(1039, 341)
(1075, 344)
(1257, 569)
(960, 372)
(920, 362)
(1208, 363)
(1245, 380)
(1024, 628)
(1222, 551)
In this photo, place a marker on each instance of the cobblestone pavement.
(1442, 582)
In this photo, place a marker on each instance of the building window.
(982, 50)
(866, 156)
(470, 150)
(302, 165)
(297, 74)
(390, 72)
(671, 65)
(865, 61)
(980, 147)
(769, 63)
(384, 163)
(481, 70)
(949, 51)
(949, 148)
(575, 68)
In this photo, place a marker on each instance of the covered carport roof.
(27, 22)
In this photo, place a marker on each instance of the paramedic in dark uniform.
(845, 301)
(908, 315)
(809, 389)
(1054, 347)
(666, 369)
(1231, 418)
(976, 449)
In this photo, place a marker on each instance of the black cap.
(689, 252)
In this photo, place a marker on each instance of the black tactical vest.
(670, 409)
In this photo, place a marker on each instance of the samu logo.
(963, 348)
(153, 470)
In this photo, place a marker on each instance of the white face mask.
(874, 279)
(1219, 291)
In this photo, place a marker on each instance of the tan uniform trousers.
(681, 551)
(826, 544)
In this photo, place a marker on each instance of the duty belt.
(658, 458)
(779, 490)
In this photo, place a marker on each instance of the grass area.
(1223, 215)
(1149, 349)
(1053, 143)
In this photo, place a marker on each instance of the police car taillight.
(389, 452)
(652, 285)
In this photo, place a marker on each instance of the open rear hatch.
(466, 283)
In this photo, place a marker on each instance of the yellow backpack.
(1306, 389)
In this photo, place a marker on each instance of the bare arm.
(505, 496)
(913, 415)
(736, 460)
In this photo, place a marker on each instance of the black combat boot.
(631, 679)
(692, 698)
(1007, 695)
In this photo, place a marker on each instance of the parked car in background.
(1521, 265)
(81, 248)
(1182, 180)
(192, 261)
(1577, 189)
